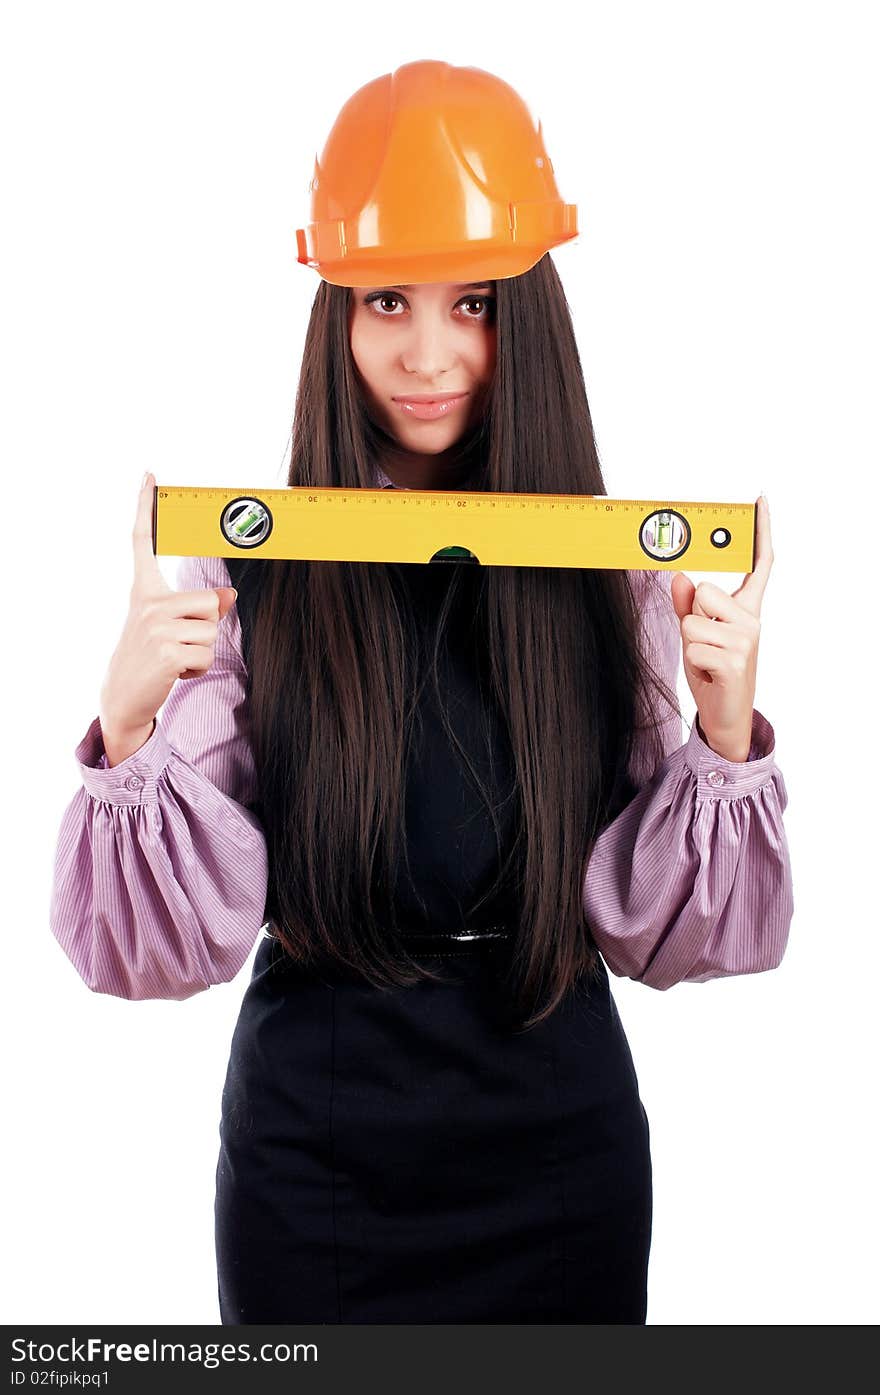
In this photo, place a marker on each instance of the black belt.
(433, 942)
(467, 941)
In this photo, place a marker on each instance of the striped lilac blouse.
(161, 868)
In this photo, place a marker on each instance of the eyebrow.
(465, 286)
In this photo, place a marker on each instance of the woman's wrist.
(737, 751)
(119, 744)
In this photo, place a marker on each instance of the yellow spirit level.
(425, 525)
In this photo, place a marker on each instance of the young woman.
(441, 789)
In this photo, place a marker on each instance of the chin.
(435, 447)
(431, 442)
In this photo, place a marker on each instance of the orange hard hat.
(433, 173)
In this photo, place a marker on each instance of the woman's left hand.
(720, 634)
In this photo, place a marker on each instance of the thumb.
(227, 596)
(683, 592)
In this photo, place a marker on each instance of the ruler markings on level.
(494, 529)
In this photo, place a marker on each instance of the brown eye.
(486, 301)
(382, 297)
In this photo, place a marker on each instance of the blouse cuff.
(134, 780)
(718, 778)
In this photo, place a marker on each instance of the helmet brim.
(463, 264)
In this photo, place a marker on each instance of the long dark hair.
(332, 664)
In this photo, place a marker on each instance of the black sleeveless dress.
(400, 1155)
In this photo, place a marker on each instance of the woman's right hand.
(167, 635)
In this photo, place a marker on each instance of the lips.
(422, 397)
(430, 408)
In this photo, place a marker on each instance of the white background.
(155, 165)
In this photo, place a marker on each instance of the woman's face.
(424, 341)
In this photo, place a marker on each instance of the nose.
(428, 351)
